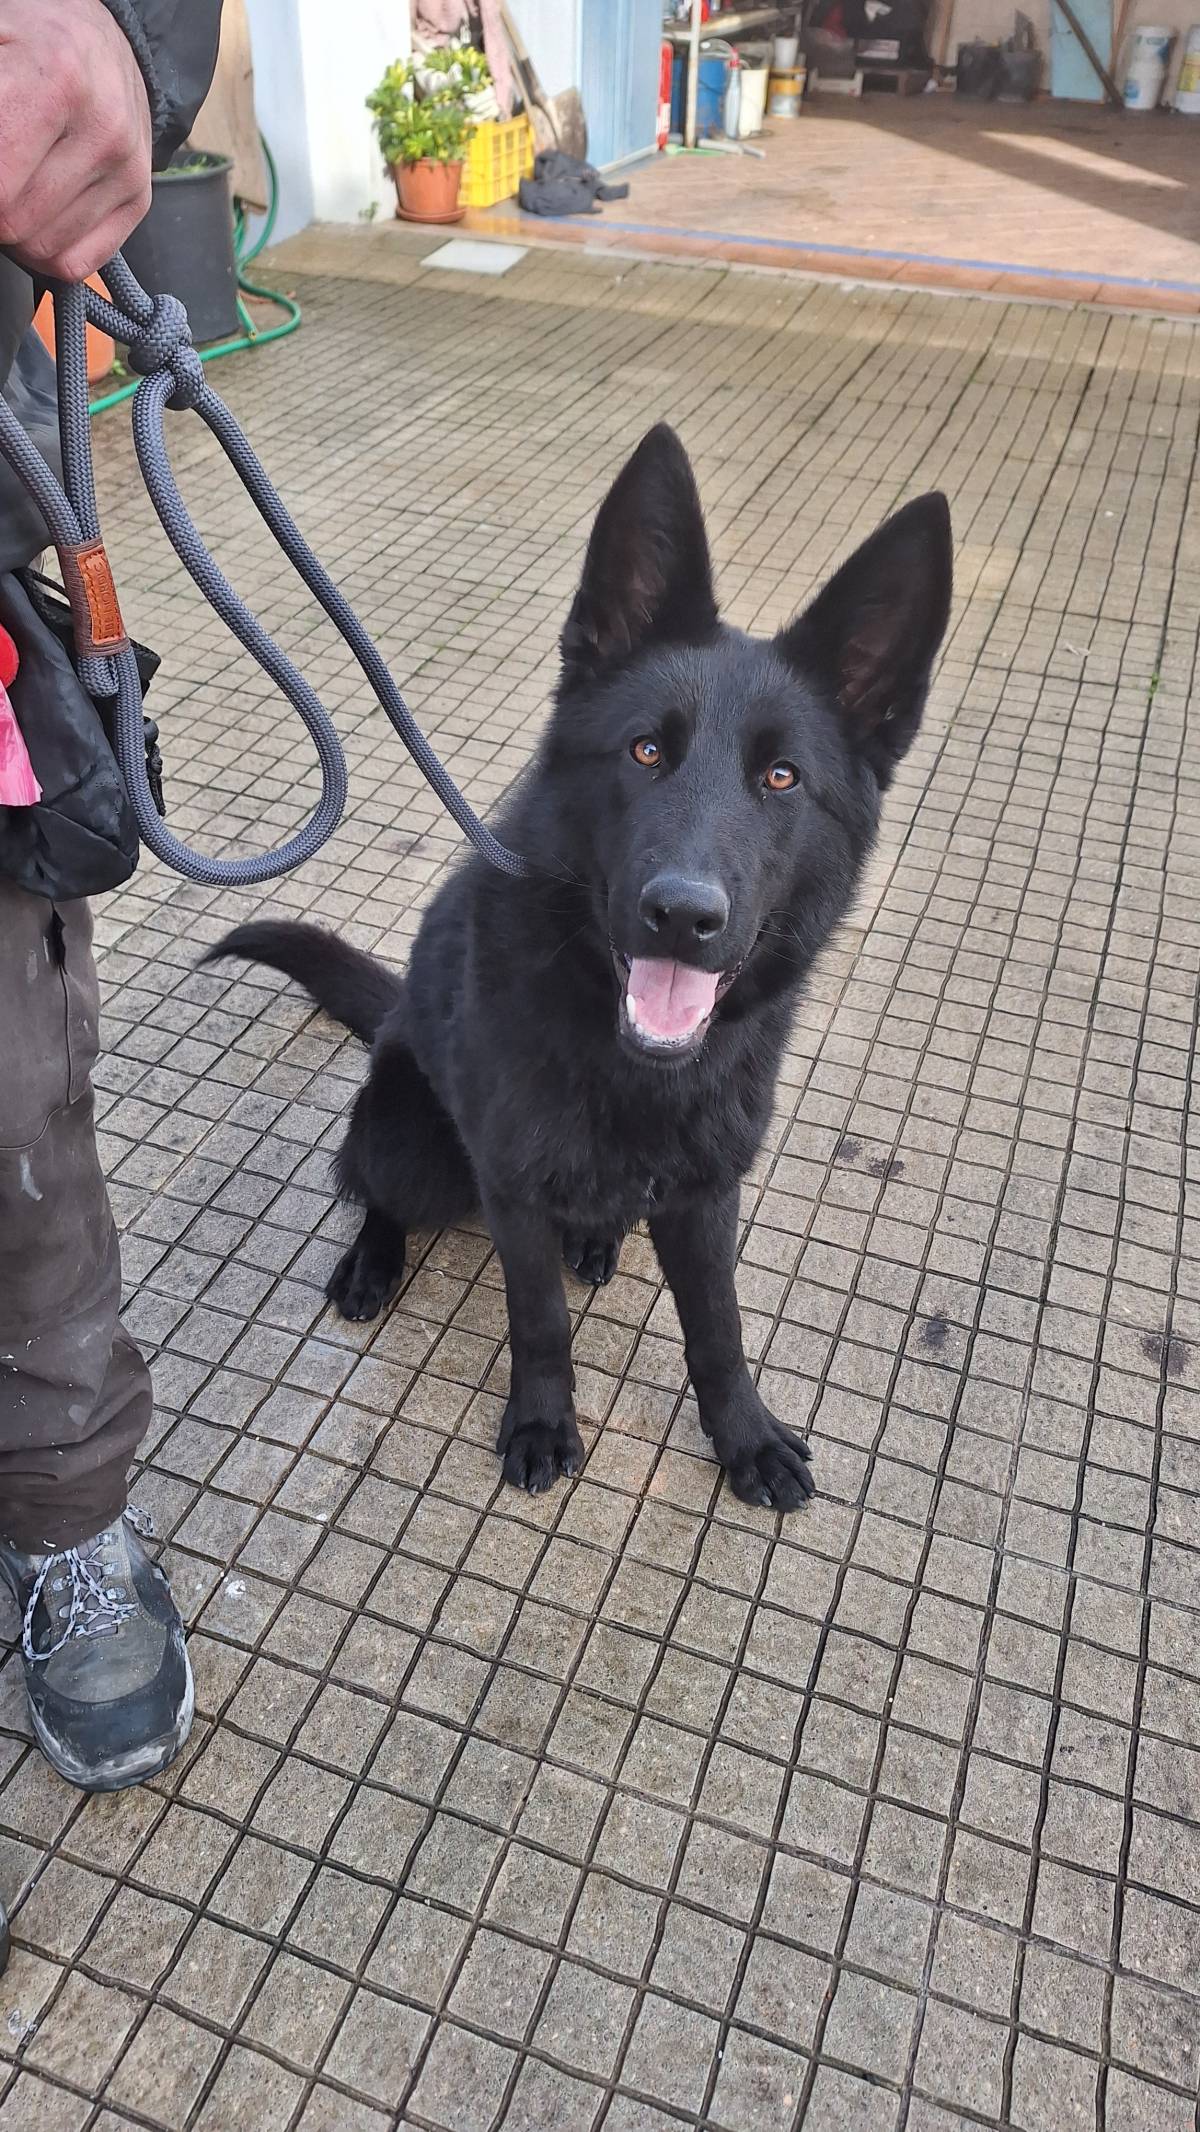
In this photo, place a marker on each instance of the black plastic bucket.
(978, 69)
(1020, 73)
(184, 247)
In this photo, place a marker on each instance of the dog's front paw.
(537, 1449)
(774, 1470)
(361, 1282)
(593, 1258)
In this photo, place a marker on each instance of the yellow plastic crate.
(500, 154)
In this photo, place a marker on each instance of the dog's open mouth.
(666, 1006)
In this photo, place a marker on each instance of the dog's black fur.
(506, 1072)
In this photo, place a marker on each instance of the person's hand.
(75, 136)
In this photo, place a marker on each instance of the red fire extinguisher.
(666, 60)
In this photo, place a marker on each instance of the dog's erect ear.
(872, 635)
(647, 577)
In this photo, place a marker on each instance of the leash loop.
(156, 332)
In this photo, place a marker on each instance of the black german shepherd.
(599, 1043)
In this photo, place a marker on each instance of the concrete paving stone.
(32, 2104)
(960, 2059)
(759, 2084)
(296, 2009)
(328, 2110)
(79, 2039)
(376, 2046)
(165, 2066)
(499, 1984)
(670, 2051)
(251, 2092)
(582, 2020)
(699, 1957)
(870, 2026)
(1135, 2105)
(544, 2095)
(614, 1924)
(840, 2102)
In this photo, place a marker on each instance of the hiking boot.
(106, 1671)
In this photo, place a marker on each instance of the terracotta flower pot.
(428, 192)
(101, 354)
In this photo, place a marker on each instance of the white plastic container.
(787, 52)
(1187, 93)
(754, 100)
(1149, 56)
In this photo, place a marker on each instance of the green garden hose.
(252, 336)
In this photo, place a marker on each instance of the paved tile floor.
(630, 1806)
(1071, 201)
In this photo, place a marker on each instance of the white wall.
(347, 44)
(314, 63)
(551, 32)
(280, 107)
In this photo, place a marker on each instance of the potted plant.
(424, 140)
(101, 348)
(458, 71)
(185, 243)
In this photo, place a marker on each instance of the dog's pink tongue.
(671, 1000)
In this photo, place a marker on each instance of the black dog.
(599, 1043)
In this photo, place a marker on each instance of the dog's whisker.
(563, 944)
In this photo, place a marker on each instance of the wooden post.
(693, 77)
(226, 124)
(944, 17)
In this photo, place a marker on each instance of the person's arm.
(91, 93)
(175, 45)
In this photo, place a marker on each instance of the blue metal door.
(1071, 71)
(620, 42)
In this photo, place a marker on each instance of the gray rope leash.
(155, 331)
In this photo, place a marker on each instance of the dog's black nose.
(683, 912)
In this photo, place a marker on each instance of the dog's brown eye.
(781, 777)
(647, 752)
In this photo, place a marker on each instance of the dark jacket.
(175, 43)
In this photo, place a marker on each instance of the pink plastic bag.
(18, 785)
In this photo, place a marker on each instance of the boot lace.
(98, 1601)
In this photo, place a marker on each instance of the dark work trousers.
(75, 1396)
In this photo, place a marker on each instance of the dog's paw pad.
(776, 1474)
(359, 1285)
(593, 1259)
(537, 1453)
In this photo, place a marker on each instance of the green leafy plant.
(414, 129)
(460, 65)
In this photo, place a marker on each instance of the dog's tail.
(352, 987)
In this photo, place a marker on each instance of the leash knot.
(163, 341)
